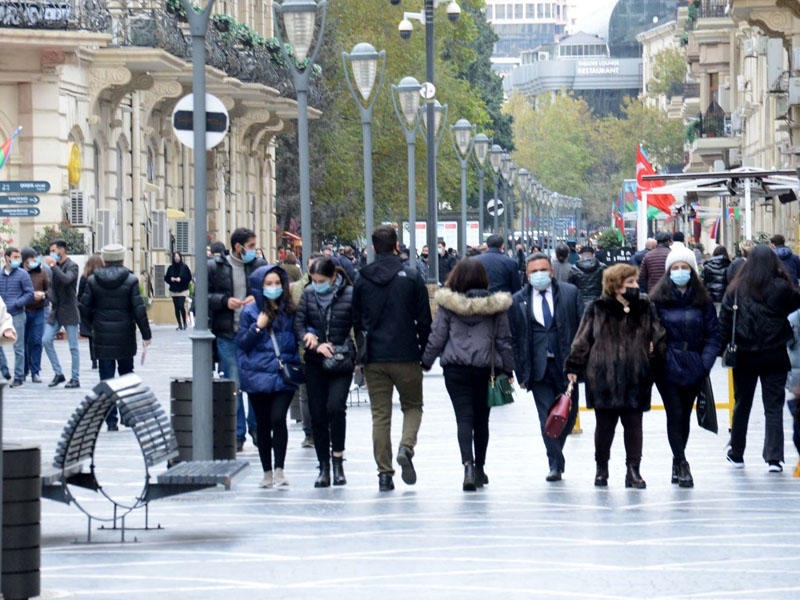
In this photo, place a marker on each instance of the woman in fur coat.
(468, 323)
(617, 339)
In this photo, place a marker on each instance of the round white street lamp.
(462, 132)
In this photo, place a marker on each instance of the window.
(540, 11)
(500, 11)
(530, 10)
(518, 11)
(547, 14)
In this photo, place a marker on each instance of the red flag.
(619, 222)
(714, 233)
(662, 202)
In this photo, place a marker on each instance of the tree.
(669, 73)
(74, 238)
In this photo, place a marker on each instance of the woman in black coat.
(764, 296)
(688, 315)
(715, 275)
(618, 337)
(324, 320)
(178, 277)
(94, 262)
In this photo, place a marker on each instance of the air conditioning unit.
(734, 158)
(77, 208)
(184, 236)
(159, 285)
(159, 232)
(105, 229)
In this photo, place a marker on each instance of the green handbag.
(500, 390)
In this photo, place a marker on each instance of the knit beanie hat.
(681, 254)
(113, 253)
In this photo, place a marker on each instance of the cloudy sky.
(592, 16)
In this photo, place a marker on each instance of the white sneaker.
(280, 480)
(267, 481)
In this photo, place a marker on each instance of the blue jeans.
(19, 348)
(228, 367)
(106, 368)
(34, 329)
(50, 332)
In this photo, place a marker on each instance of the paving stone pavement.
(735, 535)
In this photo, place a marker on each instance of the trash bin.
(224, 415)
(21, 517)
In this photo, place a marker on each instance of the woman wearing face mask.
(178, 277)
(618, 337)
(272, 314)
(687, 313)
(324, 319)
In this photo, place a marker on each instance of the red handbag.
(559, 414)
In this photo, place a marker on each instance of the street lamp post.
(509, 217)
(461, 133)
(480, 146)
(505, 173)
(437, 131)
(299, 18)
(495, 160)
(523, 178)
(406, 95)
(365, 60)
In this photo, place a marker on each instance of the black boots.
(632, 477)
(470, 484)
(601, 477)
(324, 478)
(685, 475)
(338, 470)
(481, 479)
(676, 467)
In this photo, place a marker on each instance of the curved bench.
(140, 411)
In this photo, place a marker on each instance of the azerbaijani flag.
(662, 202)
(5, 149)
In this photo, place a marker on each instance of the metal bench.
(140, 411)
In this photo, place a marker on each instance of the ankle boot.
(469, 477)
(685, 479)
(338, 470)
(324, 477)
(601, 477)
(481, 479)
(676, 467)
(633, 478)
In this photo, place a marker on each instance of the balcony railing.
(713, 8)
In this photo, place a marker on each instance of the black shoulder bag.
(729, 356)
(291, 374)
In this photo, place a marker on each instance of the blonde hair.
(745, 246)
(615, 275)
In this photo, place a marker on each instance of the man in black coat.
(392, 316)
(63, 312)
(587, 275)
(446, 262)
(544, 318)
(112, 307)
(502, 270)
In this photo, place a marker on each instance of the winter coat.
(255, 355)
(612, 351)
(762, 328)
(83, 327)
(793, 347)
(502, 271)
(561, 271)
(653, 267)
(16, 290)
(790, 261)
(41, 283)
(587, 276)
(312, 318)
(112, 307)
(530, 351)
(446, 264)
(463, 329)
(715, 276)
(178, 270)
(692, 338)
(64, 293)
(220, 290)
(390, 303)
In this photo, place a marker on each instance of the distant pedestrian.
(94, 262)
(790, 261)
(63, 312)
(16, 290)
(502, 270)
(638, 257)
(652, 269)
(178, 277)
(289, 265)
(587, 275)
(446, 261)
(562, 266)
(35, 312)
(112, 307)
(745, 246)
(715, 273)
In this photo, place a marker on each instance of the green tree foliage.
(669, 73)
(609, 238)
(74, 238)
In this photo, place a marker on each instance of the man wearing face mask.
(16, 290)
(544, 318)
(446, 262)
(64, 273)
(34, 312)
(227, 296)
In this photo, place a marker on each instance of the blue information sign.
(19, 199)
(19, 211)
(31, 187)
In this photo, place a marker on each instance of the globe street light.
(405, 97)
(495, 160)
(299, 19)
(461, 133)
(480, 146)
(365, 60)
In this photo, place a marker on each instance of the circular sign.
(216, 121)
(427, 90)
(490, 204)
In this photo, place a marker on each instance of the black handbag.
(291, 374)
(341, 361)
(705, 407)
(500, 391)
(731, 350)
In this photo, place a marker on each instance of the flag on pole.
(715, 227)
(5, 149)
(662, 202)
(619, 223)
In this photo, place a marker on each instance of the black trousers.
(271, 429)
(180, 310)
(545, 393)
(773, 396)
(604, 433)
(468, 389)
(327, 401)
(678, 402)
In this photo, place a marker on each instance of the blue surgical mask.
(248, 256)
(321, 288)
(32, 264)
(680, 277)
(14, 264)
(272, 292)
(539, 280)
(55, 256)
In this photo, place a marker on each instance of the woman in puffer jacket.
(468, 324)
(715, 275)
(272, 314)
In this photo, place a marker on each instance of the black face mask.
(424, 256)
(631, 294)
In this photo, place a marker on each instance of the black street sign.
(19, 200)
(19, 211)
(216, 122)
(33, 187)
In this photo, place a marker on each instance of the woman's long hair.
(662, 292)
(94, 262)
(757, 273)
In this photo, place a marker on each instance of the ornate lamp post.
(437, 131)
(299, 19)
(364, 60)
(480, 146)
(405, 97)
(523, 178)
(496, 160)
(461, 133)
